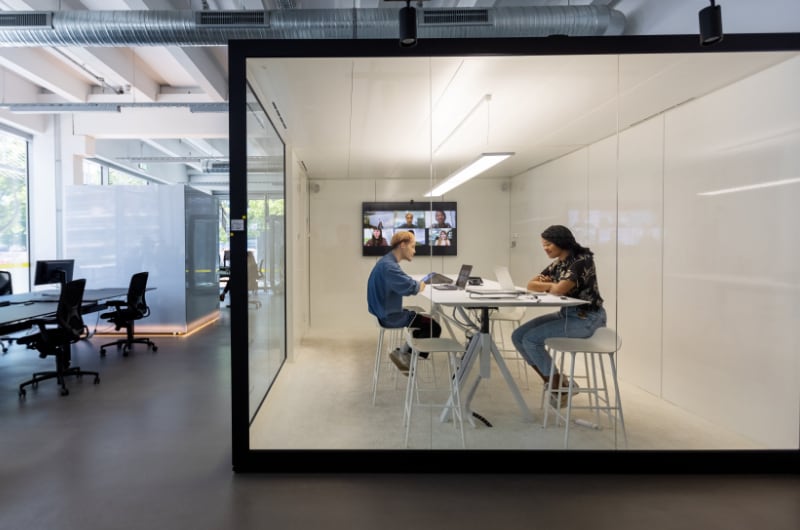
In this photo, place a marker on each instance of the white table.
(482, 347)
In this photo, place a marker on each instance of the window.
(92, 173)
(97, 174)
(14, 208)
(120, 178)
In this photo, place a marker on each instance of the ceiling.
(147, 93)
(395, 118)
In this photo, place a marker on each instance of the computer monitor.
(53, 271)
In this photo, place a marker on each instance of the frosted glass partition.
(113, 232)
(202, 236)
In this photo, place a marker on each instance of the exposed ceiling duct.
(216, 28)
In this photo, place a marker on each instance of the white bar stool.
(604, 343)
(434, 345)
(388, 340)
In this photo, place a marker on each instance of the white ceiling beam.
(205, 147)
(17, 89)
(46, 71)
(118, 68)
(176, 148)
(121, 5)
(30, 123)
(137, 123)
(200, 64)
(41, 5)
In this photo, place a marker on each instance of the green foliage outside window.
(13, 199)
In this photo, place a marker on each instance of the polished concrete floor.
(149, 447)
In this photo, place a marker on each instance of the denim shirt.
(386, 287)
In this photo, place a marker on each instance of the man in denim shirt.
(386, 287)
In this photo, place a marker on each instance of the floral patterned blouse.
(579, 269)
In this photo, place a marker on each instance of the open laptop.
(507, 286)
(461, 281)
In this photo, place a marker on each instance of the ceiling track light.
(408, 26)
(710, 24)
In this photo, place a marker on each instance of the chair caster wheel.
(102, 352)
(97, 379)
(22, 394)
(64, 391)
(155, 348)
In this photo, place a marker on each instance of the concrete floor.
(149, 447)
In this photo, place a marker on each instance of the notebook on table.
(506, 284)
(461, 281)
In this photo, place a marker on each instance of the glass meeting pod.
(639, 174)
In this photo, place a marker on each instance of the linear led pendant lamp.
(710, 24)
(473, 169)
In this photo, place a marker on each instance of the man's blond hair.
(401, 237)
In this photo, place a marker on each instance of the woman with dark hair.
(571, 273)
(377, 239)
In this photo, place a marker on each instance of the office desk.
(24, 308)
(19, 316)
(482, 347)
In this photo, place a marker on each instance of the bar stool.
(388, 340)
(512, 316)
(434, 345)
(604, 343)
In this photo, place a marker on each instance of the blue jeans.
(571, 322)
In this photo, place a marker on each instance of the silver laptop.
(461, 281)
(507, 286)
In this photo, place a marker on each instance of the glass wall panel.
(708, 257)
(266, 309)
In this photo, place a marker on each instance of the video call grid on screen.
(434, 226)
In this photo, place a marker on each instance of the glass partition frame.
(247, 458)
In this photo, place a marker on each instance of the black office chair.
(57, 341)
(127, 312)
(5, 283)
(5, 288)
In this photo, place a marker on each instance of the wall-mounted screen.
(433, 223)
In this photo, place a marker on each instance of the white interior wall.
(338, 272)
(640, 257)
(297, 254)
(732, 261)
(723, 343)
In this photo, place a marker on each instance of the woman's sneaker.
(557, 403)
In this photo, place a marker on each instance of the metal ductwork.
(216, 28)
